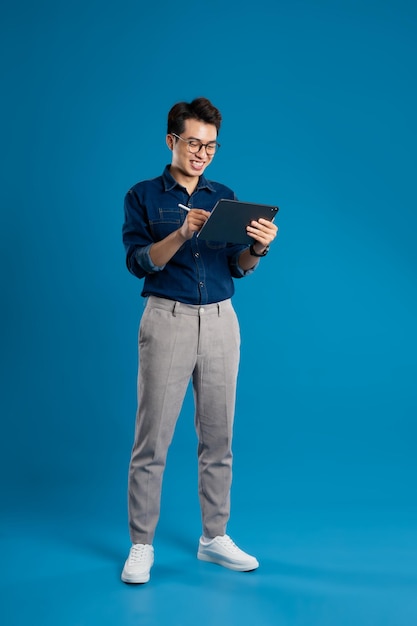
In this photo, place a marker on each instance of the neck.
(189, 182)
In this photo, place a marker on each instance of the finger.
(259, 230)
(267, 224)
(268, 229)
(196, 223)
(262, 236)
(201, 212)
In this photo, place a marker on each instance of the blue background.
(318, 100)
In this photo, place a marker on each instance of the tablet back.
(229, 218)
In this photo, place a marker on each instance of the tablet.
(229, 218)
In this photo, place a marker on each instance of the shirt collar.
(170, 182)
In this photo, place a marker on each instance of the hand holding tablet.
(229, 219)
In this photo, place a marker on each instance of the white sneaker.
(138, 564)
(223, 551)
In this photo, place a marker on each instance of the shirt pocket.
(165, 222)
(216, 245)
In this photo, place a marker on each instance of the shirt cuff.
(237, 271)
(143, 258)
(243, 273)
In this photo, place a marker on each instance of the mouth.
(197, 165)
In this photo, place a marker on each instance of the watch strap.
(252, 251)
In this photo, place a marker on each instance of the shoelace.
(228, 543)
(139, 552)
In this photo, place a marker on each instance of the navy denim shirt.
(200, 272)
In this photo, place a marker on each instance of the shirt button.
(197, 255)
(201, 284)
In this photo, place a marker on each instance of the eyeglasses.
(194, 146)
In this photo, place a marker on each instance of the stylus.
(186, 208)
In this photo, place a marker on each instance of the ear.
(170, 141)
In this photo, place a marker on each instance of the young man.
(188, 331)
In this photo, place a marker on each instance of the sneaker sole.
(135, 580)
(237, 567)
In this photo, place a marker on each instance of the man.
(188, 331)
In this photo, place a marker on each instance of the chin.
(195, 172)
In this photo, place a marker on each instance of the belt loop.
(173, 309)
(218, 309)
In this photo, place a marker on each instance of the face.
(184, 165)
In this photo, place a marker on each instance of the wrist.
(258, 250)
(180, 236)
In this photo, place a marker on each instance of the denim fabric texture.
(201, 272)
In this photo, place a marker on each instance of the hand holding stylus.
(193, 222)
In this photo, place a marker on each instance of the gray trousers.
(179, 342)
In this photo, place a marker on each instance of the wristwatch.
(253, 253)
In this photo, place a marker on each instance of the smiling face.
(185, 166)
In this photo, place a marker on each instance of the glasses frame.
(202, 145)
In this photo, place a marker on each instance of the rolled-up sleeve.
(142, 257)
(235, 269)
(137, 238)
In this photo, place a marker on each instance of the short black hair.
(199, 109)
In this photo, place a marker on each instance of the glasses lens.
(196, 146)
(211, 148)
